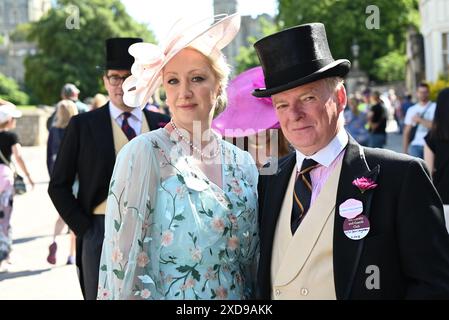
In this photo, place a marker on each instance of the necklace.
(195, 148)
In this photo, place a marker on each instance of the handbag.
(415, 127)
(19, 183)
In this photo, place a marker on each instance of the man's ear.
(342, 99)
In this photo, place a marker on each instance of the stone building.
(435, 30)
(12, 54)
(249, 27)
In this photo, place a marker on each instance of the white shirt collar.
(117, 112)
(328, 154)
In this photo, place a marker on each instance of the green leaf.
(179, 217)
(177, 294)
(196, 275)
(116, 225)
(119, 273)
(184, 269)
(125, 203)
(221, 254)
(140, 243)
(181, 178)
(112, 183)
(104, 268)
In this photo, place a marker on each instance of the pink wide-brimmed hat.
(150, 59)
(245, 114)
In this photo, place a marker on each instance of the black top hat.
(296, 56)
(117, 55)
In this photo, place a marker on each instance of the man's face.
(113, 81)
(309, 114)
(423, 94)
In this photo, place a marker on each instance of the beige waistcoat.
(120, 140)
(302, 264)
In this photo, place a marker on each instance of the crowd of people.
(276, 185)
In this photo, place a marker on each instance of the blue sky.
(159, 14)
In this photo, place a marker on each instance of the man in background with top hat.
(340, 221)
(88, 151)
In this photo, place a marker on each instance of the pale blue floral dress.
(171, 233)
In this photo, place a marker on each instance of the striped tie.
(127, 129)
(302, 193)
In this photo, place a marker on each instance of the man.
(87, 153)
(419, 116)
(324, 234)
(70, 92)
(377, 122)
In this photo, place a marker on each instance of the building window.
(445, 51)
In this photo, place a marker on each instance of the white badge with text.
(351, 208)
(356, 228)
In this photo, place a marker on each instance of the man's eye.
(309, 98)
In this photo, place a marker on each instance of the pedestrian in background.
(436, 150)
(65, 109)
(418, 121)
(9, 146)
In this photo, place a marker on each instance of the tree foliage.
(71, 45)
(9, 90)
(247, 56)
(345, 22)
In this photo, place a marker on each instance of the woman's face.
(191, 88)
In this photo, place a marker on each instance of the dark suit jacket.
(87, 152)
(408, 241)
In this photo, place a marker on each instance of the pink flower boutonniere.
(364, 184)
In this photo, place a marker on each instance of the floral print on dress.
(190, 239)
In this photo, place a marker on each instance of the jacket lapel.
(346, 251)
(101, 127)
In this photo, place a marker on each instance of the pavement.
(30, 276)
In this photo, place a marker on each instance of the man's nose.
(297, 112)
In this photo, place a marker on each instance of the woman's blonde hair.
(98, 101)
(221, 70)
(65, 109)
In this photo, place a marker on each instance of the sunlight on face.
(309, 115)
(191, 88)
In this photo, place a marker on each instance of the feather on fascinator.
(150, 59)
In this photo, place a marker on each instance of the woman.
(65, 109)
(181, 218)
(9, 145)
(251, 123)
(355, 122)
(436, 150)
